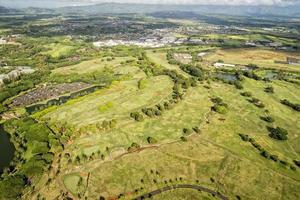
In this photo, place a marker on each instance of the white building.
(217, 65)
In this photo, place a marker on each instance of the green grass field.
(58, 49)
(216, 158)
(93, 65)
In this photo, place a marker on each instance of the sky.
(60, 3)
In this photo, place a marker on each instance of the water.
(270, 75)
(7, 149)
(227, 77)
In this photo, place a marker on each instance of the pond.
(270, 75)
(226, 77)
(7, 149)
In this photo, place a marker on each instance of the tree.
(278, 133)
(11, 187)
(246, 94)
(268, 119)
(269, 89)
(238, 85)
(187, 131)
(196, 129)
(219, 109)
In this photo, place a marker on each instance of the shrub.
(160, 107)
(157, 113)
(297, 162)
(278, 133)
(151, 140)
(217, 100)
(142, 84)
(269, 89)
(187, 131)
(283, 162)
(265, 154)
(268, 119)
(133, 146)
(196, 129)
(238, 85)
(274, 157)
(244, 137)
(290, 104)
(184, 139)
(137, 116)
(246, 94)
(219, 109)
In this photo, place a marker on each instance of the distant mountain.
(36, 10)
(4, 10)
(203, 9)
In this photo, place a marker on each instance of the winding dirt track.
(180, 186)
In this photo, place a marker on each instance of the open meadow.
(261, 57)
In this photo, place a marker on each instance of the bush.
(133, 146)
(187, 131)
(142, 84)
(219, 109)
(151, 140)
(265, 154)
(238, 85)
(268, 119)
(283, 162)
(278, 133)
(297, 162)
(274, 158)
(246, 94)
(184, 139)
(244, 137)
(269, 89)
(197, 130)
(137, 116)
(290, 104)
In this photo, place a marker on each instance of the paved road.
(186, 186)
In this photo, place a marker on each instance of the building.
(293, 61)
(202, 54)
(217, 65)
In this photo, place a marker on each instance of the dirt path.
(182, 186)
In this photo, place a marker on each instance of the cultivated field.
(263, 58)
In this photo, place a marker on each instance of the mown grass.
(125, 96)
(58, 49)
(92, 65)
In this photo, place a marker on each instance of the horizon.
(19, 4)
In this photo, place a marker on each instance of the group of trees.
(191, 69)
(137, 116)
(268, 119)
(30, 138)
(219, 106)
(26, 82)
(252, 75)
(278, 133)
(257, 102)
(264, 152)
(107, 124)
(294, 106)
